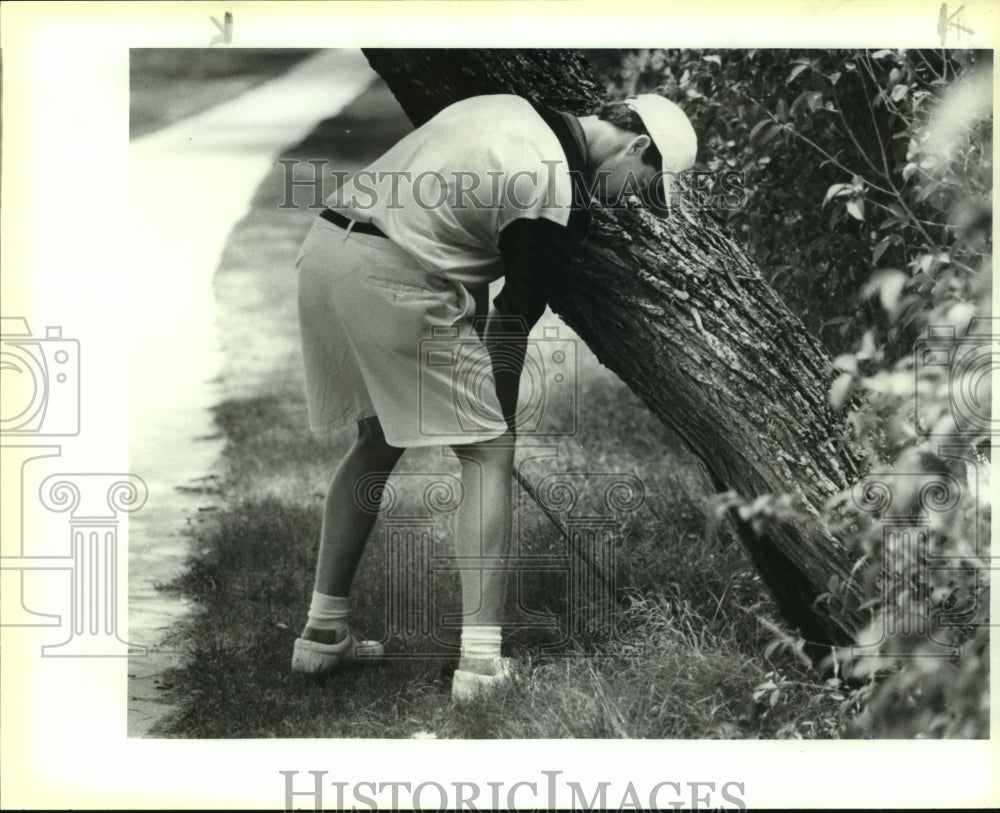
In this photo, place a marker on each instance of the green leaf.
(841, 390)
(881, 53)
(899, 92)
(713, 58)
(890, 287)
(880, 248)
(759, 128)
(836, 191)
(799, 100)
(772, 134)
(847, 363)
(856, 208)
(908, 170)
(798, 69)
(867, 349)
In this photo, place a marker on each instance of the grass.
(684, 664)
(684, 659)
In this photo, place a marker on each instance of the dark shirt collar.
(573, 141)
(576, 129)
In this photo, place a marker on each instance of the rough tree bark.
(679, 312)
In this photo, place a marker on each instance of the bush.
(868, 178)
(823, 140)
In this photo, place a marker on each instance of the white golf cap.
(669, 128)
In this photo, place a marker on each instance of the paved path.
(190, 183)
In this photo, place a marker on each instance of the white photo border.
(65, 94)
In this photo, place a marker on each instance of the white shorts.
(383, 337)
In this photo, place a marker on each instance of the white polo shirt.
(447, 191)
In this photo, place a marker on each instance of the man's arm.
(506, 338)
(481, 296)
(530, 249)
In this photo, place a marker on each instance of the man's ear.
(639, 144)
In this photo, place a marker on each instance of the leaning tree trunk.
(680, 313)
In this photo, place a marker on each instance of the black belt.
(361, 228)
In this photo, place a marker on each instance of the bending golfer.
(491, 186)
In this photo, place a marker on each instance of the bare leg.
(347, 521)
(484, 527)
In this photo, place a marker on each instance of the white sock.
(328, 612)
(481, 642)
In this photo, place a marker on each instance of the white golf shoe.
(467, 685)
(312, 657)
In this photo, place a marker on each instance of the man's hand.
(506, 338)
